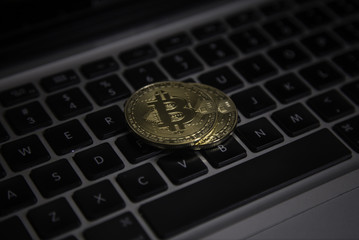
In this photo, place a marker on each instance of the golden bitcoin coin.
(227, 118)
(171, 114)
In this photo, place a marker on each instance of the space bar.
(234, 187)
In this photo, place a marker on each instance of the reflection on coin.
(171, 114)
(226, 119)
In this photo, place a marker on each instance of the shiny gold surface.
(171, 114)
(227, 117)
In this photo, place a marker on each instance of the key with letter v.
(183, 167)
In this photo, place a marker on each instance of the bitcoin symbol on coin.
(173, 112)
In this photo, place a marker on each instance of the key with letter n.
(259, 134)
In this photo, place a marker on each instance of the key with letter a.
(15, 194)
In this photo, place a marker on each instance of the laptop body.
(317, 202)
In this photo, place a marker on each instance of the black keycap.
(255, 179)
(253, 102)
(123, 227)
(287, 88)
(99, 68)
(349, 62)
(24, 153)
(98, 200)
(322, 75)
(2, 172)
(27, 118)
(67, 137)
(343, 8)
(275, 7)
(107, 122)
(349, 32)
(138, 54)
(53, 218)
(181, 64)
(3, 134)
(17, 95)
(98, 161)
(282, 28)
(295, 120)
(259, 134)
(69, 103)
(174, 42)
(249, 40)
(222, 78)
(289, 55)
(225, 153)
(69, 238)
(242, 18)
(13, 228)
(209, 30)
(55, 178)
(107, 90)
(143, 75)
(59, 81)
(349, 131)
(216, 52)
(141, 182)
(330, 106)
(135, 149)
(313, 17)
(352, 91)
(181, 167)
(15, 194)
(321, 43)
(255, 68)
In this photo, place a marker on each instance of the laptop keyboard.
(68, 160)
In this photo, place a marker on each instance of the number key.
(181, 64)
(216, 52)
(27, 118)
(144, 74)
(68, 104)
(107, 90)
